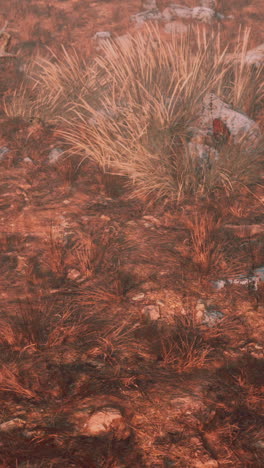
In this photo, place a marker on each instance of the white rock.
(203, 14)
(28, 160)
(102, 35)
(175, 27)
(138, 297)
(238, 124)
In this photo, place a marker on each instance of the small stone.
(28, 160)
(55, 155)
(138, 297)
(102, 35)
(101, 422)
(73, 274)
(151, 312)
(12, 425)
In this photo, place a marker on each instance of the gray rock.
(251, 280)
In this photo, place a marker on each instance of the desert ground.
(131, 234)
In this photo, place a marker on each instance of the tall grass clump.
(132, 109)
(141, 125)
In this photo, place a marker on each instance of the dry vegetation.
(128, 222)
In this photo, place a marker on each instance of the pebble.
(138, 297)
(55, 155)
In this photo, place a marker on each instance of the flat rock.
(101, 422)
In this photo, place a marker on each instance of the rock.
(237, 123)
(151, 312)
(3, 150)
(203, 14)
(138, 297)
(12, 425)
(149, 4)
(200, 13)
(150, 15)
(55, 155)
(175, 27)
(176, 11)
(102, 35)
(212, 317)
(73, 274)
(255, 56)
(251, 280)
(28, 160)
(102, 422)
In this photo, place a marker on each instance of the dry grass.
(156, 93)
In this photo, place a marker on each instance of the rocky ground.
(131, 332)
